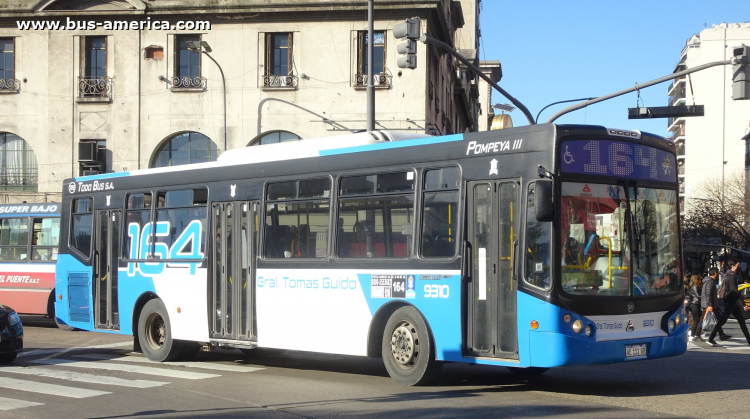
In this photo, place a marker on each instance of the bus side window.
(44, 239)
(81, 225)
(440, 212)
(14, 234)
(538, 237)
(376, 216)
(297, 218)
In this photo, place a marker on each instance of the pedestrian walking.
(710, 303)
(693, 305)
(731, 297)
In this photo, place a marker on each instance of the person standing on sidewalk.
(731, 299)
(693, 302)
(710, 303)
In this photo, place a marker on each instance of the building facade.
(114, 85)
(709, 147)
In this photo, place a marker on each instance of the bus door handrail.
(467, 262)
(609, 259)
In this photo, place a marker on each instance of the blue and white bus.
(529, 248)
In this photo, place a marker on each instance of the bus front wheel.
(155, 333)
(407, 349)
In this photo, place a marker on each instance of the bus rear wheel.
(155, 333)
(407, 349)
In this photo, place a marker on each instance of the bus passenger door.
(235, 235)
(105, 269)
(491, 329)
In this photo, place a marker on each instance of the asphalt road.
(95, 375)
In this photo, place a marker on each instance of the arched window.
(18, 169)
(185, 148)
(274, 137)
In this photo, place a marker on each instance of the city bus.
(528, 248)
(29, 235)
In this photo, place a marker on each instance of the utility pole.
(370, 75)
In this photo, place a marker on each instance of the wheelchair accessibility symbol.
(568, 157)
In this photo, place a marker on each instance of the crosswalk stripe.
(203, 365)
(161, 372)
(10, 404)
(82, 377)
(53, 389)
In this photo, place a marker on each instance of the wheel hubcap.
(405, 344)
(156, 331)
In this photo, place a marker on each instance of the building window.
(18, 169)
(185, 148)
(279, 63)
(187, 64)
(93, 82)
(275, 137)
(379, 70)
(8, 82)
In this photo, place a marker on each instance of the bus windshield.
(619, 242)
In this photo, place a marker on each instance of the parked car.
(11, 335)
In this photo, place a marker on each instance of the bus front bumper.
(558, 350)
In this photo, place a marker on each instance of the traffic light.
(740, 73)
(411, 31)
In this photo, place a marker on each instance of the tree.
(717, 209)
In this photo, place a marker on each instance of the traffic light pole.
(636, 87)
(428, 40)
(370, 82)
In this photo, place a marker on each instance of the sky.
(552, 50)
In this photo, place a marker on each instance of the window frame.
(52, 248)
(263, 214)
(526, 282)
(362, 51)
(12, 40)
(177, 54)
(29, 176)
(269, 55)
(171, 138)
(70, 227)
(460, 208)
(152, 219)
(27, 246)
(85, 62)
(416, 203)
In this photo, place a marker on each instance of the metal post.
(224, 84)
(370, 84)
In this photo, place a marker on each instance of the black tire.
(408, 352)
(8, 358)
(155, 333)
(528, 371)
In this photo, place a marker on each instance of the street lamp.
(204, 48)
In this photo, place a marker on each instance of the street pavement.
(96, 375)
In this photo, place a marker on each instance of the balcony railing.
(681, 150)
(675, 82)
(381, 80)
(95, 87)
(189, 83)
(271, 81)
(681, 169)
(10, 85)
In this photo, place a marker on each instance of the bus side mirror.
(543, 205)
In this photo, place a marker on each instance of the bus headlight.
(678, 320)
(589, 331)
(671, 325)
(567, 318)
(577, 326)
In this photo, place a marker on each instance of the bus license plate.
(635, 350)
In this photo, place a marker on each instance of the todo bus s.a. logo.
(185, 247)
